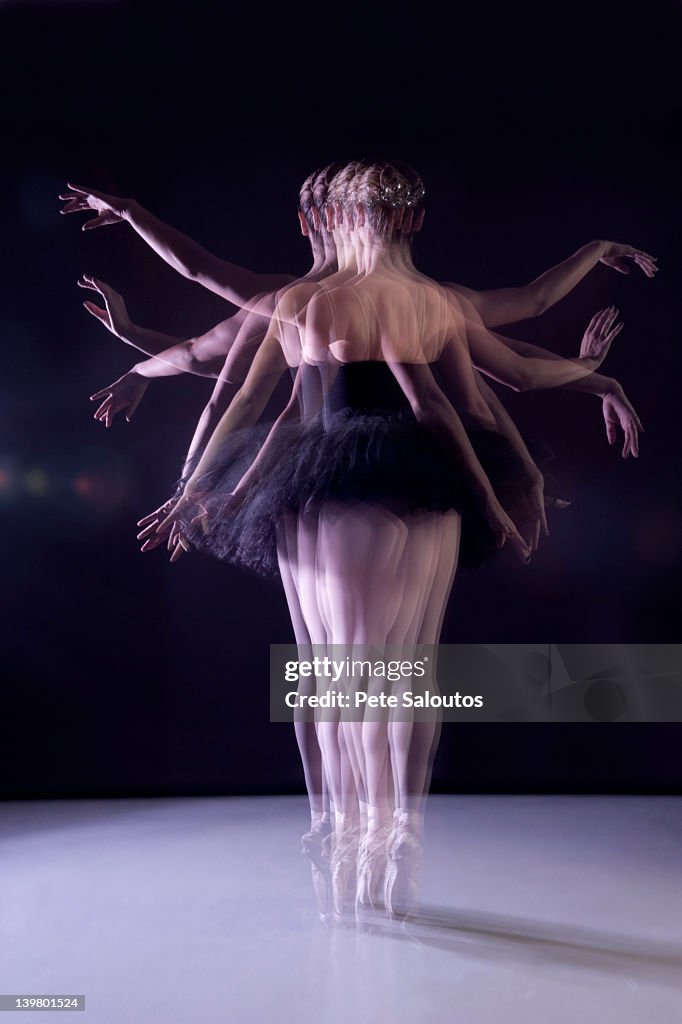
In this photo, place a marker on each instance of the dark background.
(536, 129)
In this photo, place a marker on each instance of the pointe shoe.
(372, 865)
(322, 887)
(344, 873)
(402, 874)
(315, 846)
(315, 842)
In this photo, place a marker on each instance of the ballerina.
(504, 304)
(333, 527)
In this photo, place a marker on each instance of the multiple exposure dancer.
(319, 547)
(370, 474)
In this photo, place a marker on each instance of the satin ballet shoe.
(344, 874)
(322, 887)
(315, 842)
(315, 846)
(371, 874)
(402, 873)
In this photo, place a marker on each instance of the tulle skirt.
(351, 456)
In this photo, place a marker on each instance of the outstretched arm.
(507, 305)
(206, 355)
(203, 356)
(490, 354)
(232, 282)
(616, 408)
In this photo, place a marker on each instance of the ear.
(417, 226)
(317, 223)
(305, 230)
(329, 216)
(360, 215)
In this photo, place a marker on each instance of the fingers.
(98, 394)
(96, 311)
(600, 317)
(150, 527)
(610, 314)
(132, 408)
(173, 536)
(97, 222)
(154, 516)
(74, 204)
(85, 191)
(88, 281)
(508, 531)
(108, 415)
(611, 433)
(543, 520)
(645, 261)
(554, 502)
(595, 322)
(202, 521)
(534, 538)
(152, 542)
(614, 332)
(103, 409)
(180, 548)
(166, 524)
(631, 443)
(520, 545)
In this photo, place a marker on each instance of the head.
(341, 198)
(313, 198)
(388, 200)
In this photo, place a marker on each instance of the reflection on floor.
(532, 909)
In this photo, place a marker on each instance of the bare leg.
(304, 726)
(413, 743)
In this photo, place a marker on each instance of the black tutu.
(364, 446)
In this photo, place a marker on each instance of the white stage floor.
(541, 910)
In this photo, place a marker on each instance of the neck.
(382, 254)
(324, 255)
(348, 257)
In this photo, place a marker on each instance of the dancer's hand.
(618, 411)
(178, 544)
(601, 331)
(109, 209)
(125, 393)
(621, 257)
(537, 502)
(187, 506)
(114, 315)
(503, 528)
(150, 522)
